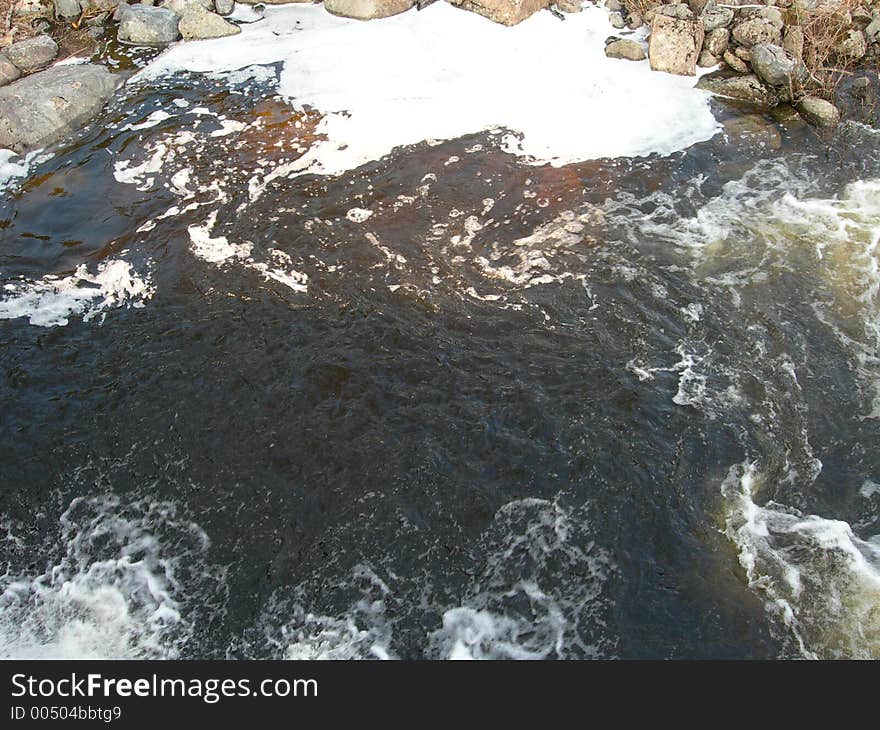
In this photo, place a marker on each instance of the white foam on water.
(817, 578)
(113, 591)
(52, 300)
(443, 73)
(541, 593)
(219, 251)
(14, 167)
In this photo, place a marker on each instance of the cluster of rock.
(760, 44)
(146, 24)
(25, 57)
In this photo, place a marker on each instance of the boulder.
(775, 66)
(717, 18)
(708, 60)
(853, 47)
(68, 9)
(735, 62)
(224, 7)
(625, 49)
(180, 7)
(818, 112)
(740, 88)
(33, 53)
(570, 6)
(616, 20)
(142, 25)
(613, 6)
(793, 42)
(674, 45)
(676, 10)
(716, 41)
(39, 110)
(506, 12)
(93, 7)
(8, 71)
(198, 23)
(757, 30)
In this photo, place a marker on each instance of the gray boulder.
(39, 110)
(369, 9)
(68, 9)
(717, 18)
(818, 112)
(739, 88)
(775, 66)
(757, 30)
(625, 49)
(198, 23)
(32, 54)
(676, 10)
(616, 20)
(224, 7)
(853, 47)
(674, 45)
(142, 25)
(180, 7)
(8, 71)
(716, 41)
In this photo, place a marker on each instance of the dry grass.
(825, 27)
(640, 6)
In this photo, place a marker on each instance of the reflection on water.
(444, 405)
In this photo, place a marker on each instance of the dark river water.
(447, 404)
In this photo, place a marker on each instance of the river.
(404, 382)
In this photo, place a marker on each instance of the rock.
(741, 88)
(717, 18)
(794, 41)
(368, 9)
(180, 7)
(708, 60)
(716, 41)
(93, 7)
(68, 9)
(676, 10)
(634, 21)
(570, 6)
(33, 53)
(616, 20)
(861, 18)
(39, 110)
(506, 12)
(775, 66)
(674, 45)
(735, 62)
(142, 25)
(753, 130)
(698, 6)
(29, 9)
(853, 47)
(8, 71)
(744, 53)
(872, 30)
(198, 23)
(625, 49)
(614, 6)
(756, 30)
(774, 15)
(818, 112)
(224, 7)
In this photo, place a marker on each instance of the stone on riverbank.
(68, 9)
(39, 110)
(625, 49)
(198, 23)
(775, 66)
(32, 54)
(506, 12)
(180, 7)
(739, 88)
(757, 30)
(674, 45)
(142, 25)
(224, 7)
(8, 71)
(367, 9)
(818, 112)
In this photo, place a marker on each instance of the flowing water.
(444, 402)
